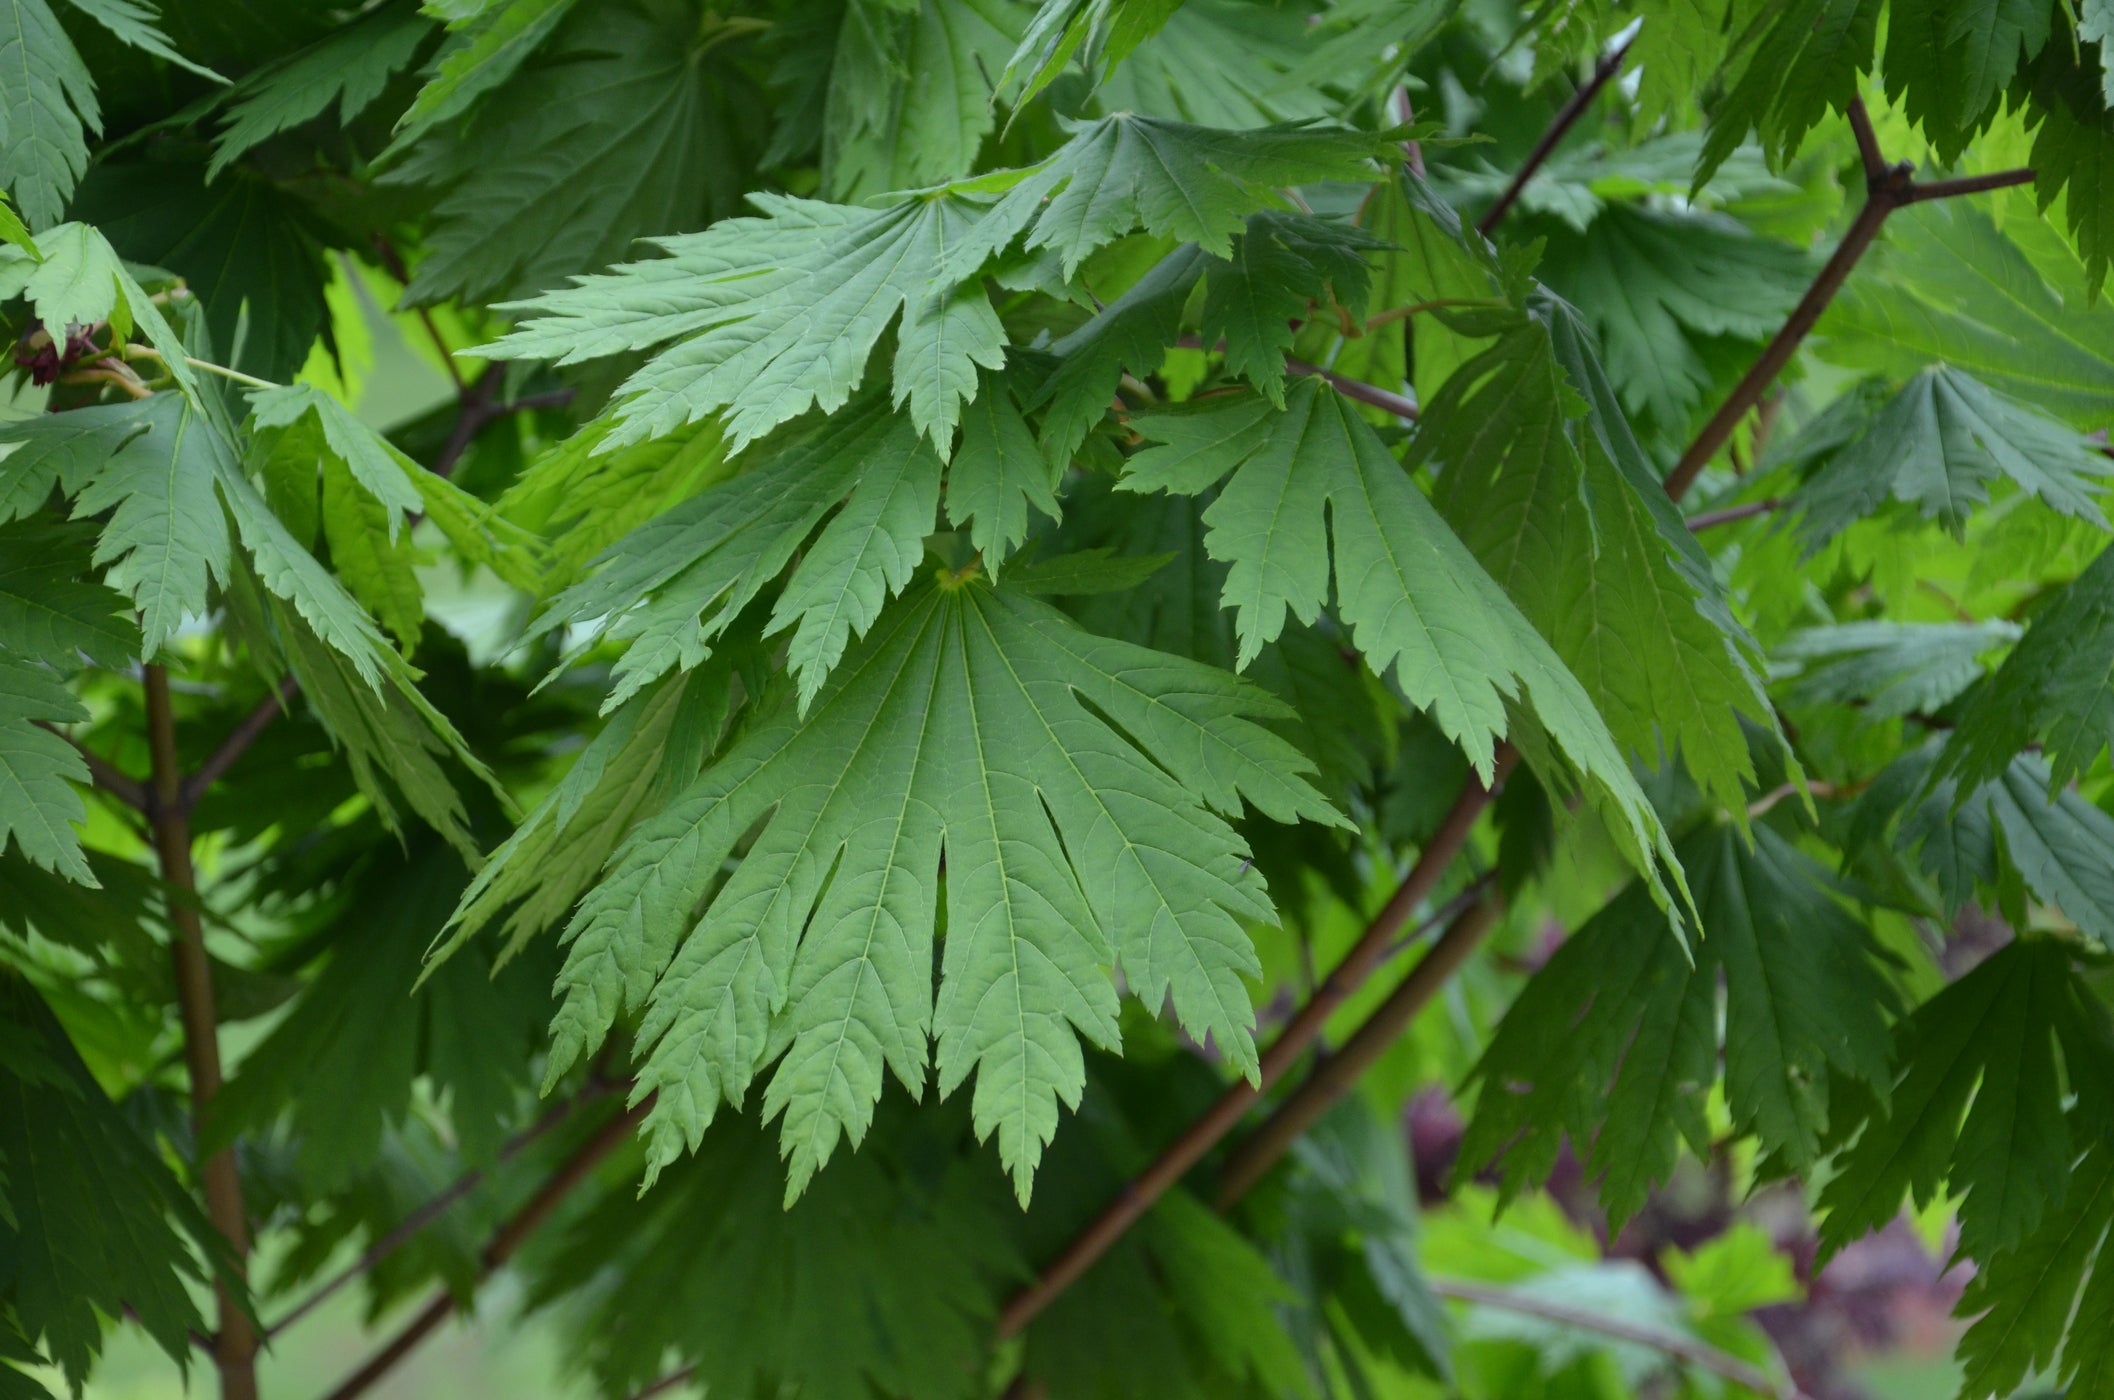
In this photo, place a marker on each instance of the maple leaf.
(971, 723)
(1417, 603)
(754, 338)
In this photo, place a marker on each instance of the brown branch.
(410, 1227)
(524, 1222)
(235, 1344)
(394, 261)
(1887, 188)
(1698, 1354)
(1333, 1077)
(1610, 64)
(481, 408)
(1711, 519)
(1966, 184)
(1867, 143)
(1292, 1042)
(107, 775)
(1357, 389)
(666, 1383)
(236, 744)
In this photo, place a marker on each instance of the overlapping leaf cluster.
(965, 543)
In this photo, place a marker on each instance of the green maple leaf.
(775, 315)
(1131, 334)
(1657, 287)
(1279, 264)
(910, 93)
(1953, 287)
(2027, 1296)
(51, 610)
(1937, 445)
(1948, 61)
(622, 127)
(2057, 686)
(1533, 479)
(349, 67)
(1805, 62)
(1189, 183)
(1614, 1041)
(153, 465)
(487, 47)
(40, 807)
(92, 1223)
(1890, 668)
(1414, 598)
(2010, 1157)
(50, 98)
(971, 723)
(678, 581)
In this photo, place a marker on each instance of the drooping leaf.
(1417, 603)
(1614, 1041)
(1533, 484)
(1792, 70)
(49, 100)
(962, 724)
(1999, 1027)
(343, 1062)
(484, 50)
(92, 1224)
(910, 93)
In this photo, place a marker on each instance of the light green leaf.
(772, 316)
(961, 725)
(996, 474)
(1193, 184)
(1891, 668)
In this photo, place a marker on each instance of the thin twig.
(1698, 1354)
(394, 262)
(236, 743)
(412, 1225)
(1867, 143)
(1299, 1034)
(235, 1344)
(666, 1383)
(1711, 519)
(575, 1169)
(1610, 64)
(107, 775)
(1383, 399)
(1966, 184)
